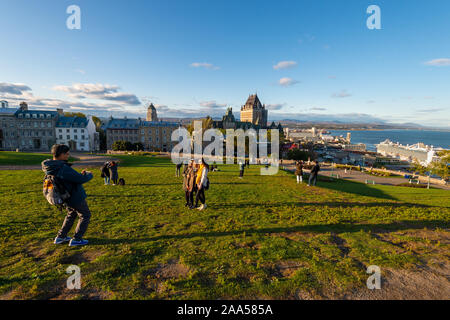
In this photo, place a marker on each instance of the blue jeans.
(312, 177)
(106, 180)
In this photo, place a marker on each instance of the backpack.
(54, 191)
(121, 182)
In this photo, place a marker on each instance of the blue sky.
(305, 59)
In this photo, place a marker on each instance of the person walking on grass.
(188, 184)
(114, 174)
(241, 169)
(105, 173)
(299, 171)
(76, 205)
(177, 174)
(313, 175)
(202, 183)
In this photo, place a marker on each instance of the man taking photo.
(76, 205)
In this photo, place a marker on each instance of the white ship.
(424, 154)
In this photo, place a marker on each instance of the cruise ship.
(424, 154)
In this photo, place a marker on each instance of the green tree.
(442, 166)
(297, 154)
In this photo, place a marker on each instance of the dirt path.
(86, 161)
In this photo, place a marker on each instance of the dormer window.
(34, 116)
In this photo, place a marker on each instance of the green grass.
(261, 237)
(23, 158)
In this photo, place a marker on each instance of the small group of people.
(195, 182)
(109, 171)
(312, 176)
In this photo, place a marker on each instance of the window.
(60, 136)
(34, 116)
(42, 124)
(81, 144)
(76, 137)
(74, 130)
(49, 124)
(21, 116)
(35, 124)
(67, 130)
(82, 138)
(60, 130)
(68, 137)
(27, 115)
(49, 116)
(41, 116)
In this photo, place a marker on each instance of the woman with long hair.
(202, 182)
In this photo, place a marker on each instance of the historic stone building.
(151, 113)
(36, 128)
(253, 116)
(254, 112)
(8, 129)
(154, 135)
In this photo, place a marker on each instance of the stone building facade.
(29, 130)
(154, 135)
(254, 112)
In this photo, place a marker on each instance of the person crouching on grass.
(201, 181)
(76, 205)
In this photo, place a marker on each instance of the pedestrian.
(114, 175)
(241, 169)
(313, 175)
(76, 204)
(202, 183)
(177, 174)
(299, 171)
(105, 174)
(188, 184)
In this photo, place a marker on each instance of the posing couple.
(195, 181)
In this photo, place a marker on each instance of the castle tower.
(151, 113)
(254, 112)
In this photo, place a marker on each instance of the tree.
(74, 114)
(442, 166)
(137, 146)
(417, 168)
(297, 154)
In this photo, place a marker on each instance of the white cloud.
(430, 110)
(14, 88)
(287, 82)
(205, 65)
(212, 105)
(276, 106)
(342, 94)
(438, 62)
(285, 65)
(99, 91)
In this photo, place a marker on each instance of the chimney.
(23, 106)
(60, 112)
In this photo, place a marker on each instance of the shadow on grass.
(358, 188)
(322, 228)
(345, 204)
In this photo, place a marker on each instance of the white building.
(77, 132)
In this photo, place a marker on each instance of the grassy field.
(261, 237)
(23, 158)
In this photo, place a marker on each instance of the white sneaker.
(202, 207)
